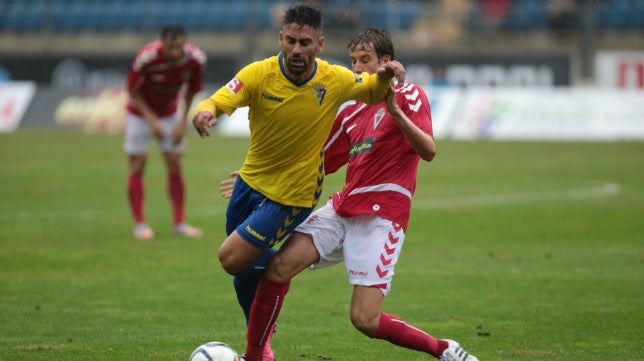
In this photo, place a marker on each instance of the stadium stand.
(127, 15)
(131, 15)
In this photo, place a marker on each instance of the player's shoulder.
(195, 53)
(148, 54)
(408, 88)
(410, 91)
(326, 66)
(267, 69)
(155, 47)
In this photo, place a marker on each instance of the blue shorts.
(258, 220)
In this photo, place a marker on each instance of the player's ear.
(385, 58)
(321, 41)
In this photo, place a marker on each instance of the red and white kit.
(380, 181)
(160, 81)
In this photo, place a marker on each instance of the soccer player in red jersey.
(363, 225)
(161, 73)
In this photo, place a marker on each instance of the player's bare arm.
(148, 114)
(205, 117)
(422, 143)
(180, 129)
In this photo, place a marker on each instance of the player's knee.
(365, 322)
(229, 262)
(279, 268)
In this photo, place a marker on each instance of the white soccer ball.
(214, 351)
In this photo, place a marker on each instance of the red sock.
(400, 333)
(135, 194)
(176, 192)
(267, 304)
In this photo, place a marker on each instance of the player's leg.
(255, 224)
(244, 253)
(367, 317)
(173, 155)
(137, 139)
(381, 240)
(295, 255)
(298, 252)
(243, 202)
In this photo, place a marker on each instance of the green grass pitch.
(519, 250)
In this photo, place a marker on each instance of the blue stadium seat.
(385, 14)
(21, 16)
(527, 15)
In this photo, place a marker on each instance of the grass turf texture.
(520, 251)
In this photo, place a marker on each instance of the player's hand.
(202, 121)
(391, 102)
(392, 69)
(226, 186)
(178, 132)
(157, 131)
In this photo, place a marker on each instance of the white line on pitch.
(604, 190)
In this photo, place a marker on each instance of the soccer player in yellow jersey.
(293, 99)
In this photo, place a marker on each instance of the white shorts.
(138, 135)
(369, 245)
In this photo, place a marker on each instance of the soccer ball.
(214, 351)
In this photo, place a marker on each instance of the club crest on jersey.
(378, 117)
(234, 85)
(320, 92)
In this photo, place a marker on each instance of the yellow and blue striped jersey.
(289, 122)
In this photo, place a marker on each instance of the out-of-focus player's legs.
(137, 140)
(176, 192)
(173, 155)
(136, 193)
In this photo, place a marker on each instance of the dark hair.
(303, 15)
(380, 39)
(172, 31)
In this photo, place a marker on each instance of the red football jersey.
(160, 82)
(381, 164)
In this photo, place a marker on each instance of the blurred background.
(499, 69)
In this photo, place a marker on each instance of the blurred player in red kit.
(161, 73)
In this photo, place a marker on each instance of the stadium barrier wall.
(518, 102)
(597, 114)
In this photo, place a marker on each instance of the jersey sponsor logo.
(272, 98)
(378, 117)
(159, 78)
(358, 78)
(320, 92)
(234, 85)
(361, 147)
